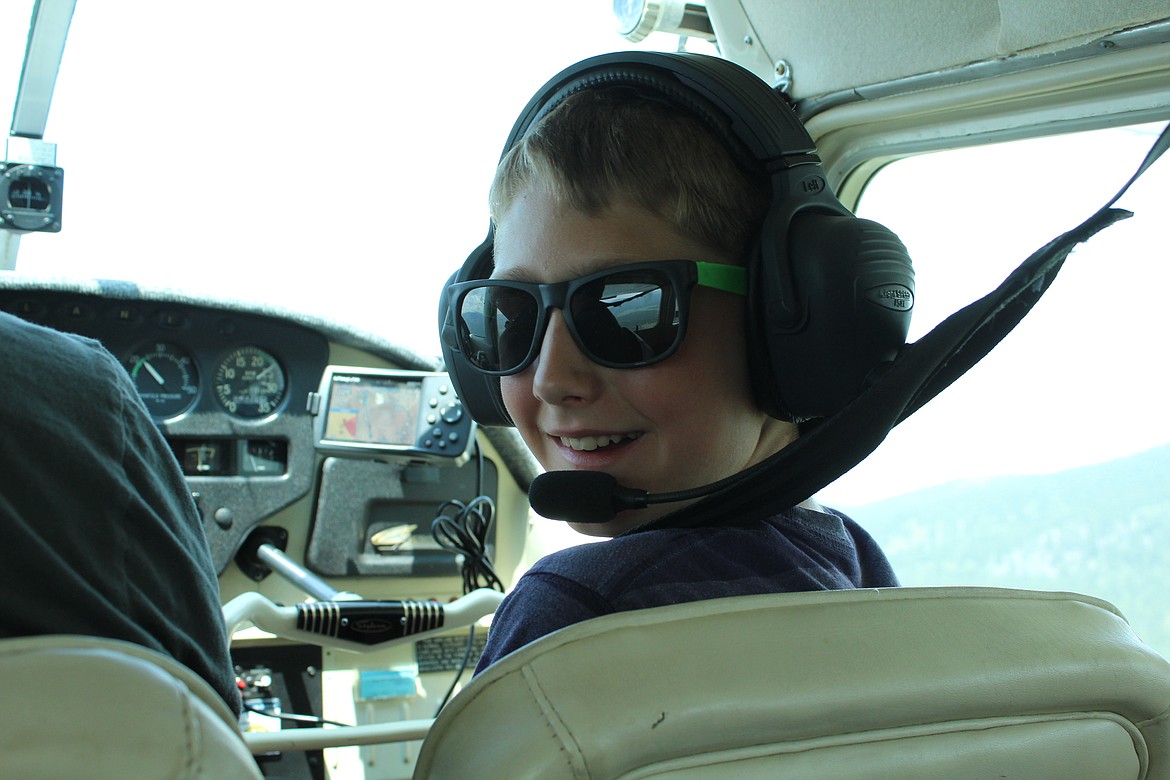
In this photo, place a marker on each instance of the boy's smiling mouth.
(590, 443)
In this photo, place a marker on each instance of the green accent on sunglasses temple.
(720, 276)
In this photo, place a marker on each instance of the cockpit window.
(14, 22)
(334, 160)
(1044, 467)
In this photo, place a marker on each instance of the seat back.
(103, 709)
(898, 683)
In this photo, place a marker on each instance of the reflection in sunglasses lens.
(497, 326)
(516, 326)
(644, 311)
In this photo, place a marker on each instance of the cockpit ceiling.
(880, 41)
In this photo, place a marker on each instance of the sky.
(336, 158)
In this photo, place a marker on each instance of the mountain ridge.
(1101, 530)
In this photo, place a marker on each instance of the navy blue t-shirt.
(799, 549)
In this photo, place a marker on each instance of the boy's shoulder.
(643, 554)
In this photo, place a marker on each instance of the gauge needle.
(154, 373)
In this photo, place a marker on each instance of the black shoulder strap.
(921, 371)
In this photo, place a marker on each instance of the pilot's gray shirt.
(99, 534)
(799, 549)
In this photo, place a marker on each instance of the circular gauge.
(165, 377)
(249, 383)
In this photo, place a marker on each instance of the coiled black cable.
(465, 529)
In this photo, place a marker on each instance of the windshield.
(1045, 465)
(331, 159)
(1078, 381)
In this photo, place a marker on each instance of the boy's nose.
(563, 374)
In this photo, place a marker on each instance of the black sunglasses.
(623, 317)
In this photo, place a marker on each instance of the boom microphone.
(595, 497)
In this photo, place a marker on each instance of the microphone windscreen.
(574, 496)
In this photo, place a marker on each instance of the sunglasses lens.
(627, 318)
(497, 326)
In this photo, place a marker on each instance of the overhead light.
(638, 18)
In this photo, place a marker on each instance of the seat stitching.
(192, 764)
(568, 743)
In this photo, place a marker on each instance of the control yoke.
(343, 620)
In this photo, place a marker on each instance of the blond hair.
(602, 146)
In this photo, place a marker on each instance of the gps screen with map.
(372, 410)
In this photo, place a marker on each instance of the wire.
(459, 672)
(464, 529)
(294, 717)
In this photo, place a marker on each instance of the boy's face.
(682, 423)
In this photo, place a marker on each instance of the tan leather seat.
(879, 684)
(101, 709)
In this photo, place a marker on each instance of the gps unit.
(390, 415)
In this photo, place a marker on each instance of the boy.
(618, 204)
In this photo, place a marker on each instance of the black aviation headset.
(829, 294)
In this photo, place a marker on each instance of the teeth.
(589, 443)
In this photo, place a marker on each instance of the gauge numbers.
(249, 383)
(166, 379)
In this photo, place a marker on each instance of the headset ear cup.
(856, 283)
(479, 392)
(764, 370)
